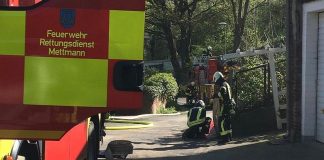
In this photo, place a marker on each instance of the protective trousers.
(225, 127)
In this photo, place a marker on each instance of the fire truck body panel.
(62, 62)
(70, 146)
(57, 64)
(5, 147)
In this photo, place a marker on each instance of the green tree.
(265, 25)
(188, 26)
(175, 21)
(240, 11)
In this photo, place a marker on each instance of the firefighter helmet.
(200, 103)
(217, 76)
(209, 48)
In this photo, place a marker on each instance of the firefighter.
(209, 51)
(226, 112)
(197, 122)
(191, 93)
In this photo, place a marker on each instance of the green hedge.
(162, 86)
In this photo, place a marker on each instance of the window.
(128, 75)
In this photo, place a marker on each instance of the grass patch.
(166, 110)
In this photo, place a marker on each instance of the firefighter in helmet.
(227, 104)
(209, 51)
(197, 121)
(192, 93)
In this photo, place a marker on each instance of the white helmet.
(209, 48)
(201, 103)
(216, 76)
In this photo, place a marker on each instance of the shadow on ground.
(258, 151)
(175, 141)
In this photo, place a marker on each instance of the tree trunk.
(184, 50)
(173, 50)
(237, 37)
(294, 71)
(152, 47)
(240, 13)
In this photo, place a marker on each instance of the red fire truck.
(63, 64)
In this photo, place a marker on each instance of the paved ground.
(163, 142)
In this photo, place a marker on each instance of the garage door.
(320, 76)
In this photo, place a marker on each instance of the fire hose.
(141, 124)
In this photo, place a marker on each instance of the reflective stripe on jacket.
(196, 115)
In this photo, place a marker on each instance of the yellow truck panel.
(5, 147)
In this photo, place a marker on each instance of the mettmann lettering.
(63, 52)
(65, 44)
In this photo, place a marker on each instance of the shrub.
(150, 71)
(167, 110)
(250, 85)
(162, 86)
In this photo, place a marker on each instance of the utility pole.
(294, 65)
(223, 24)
